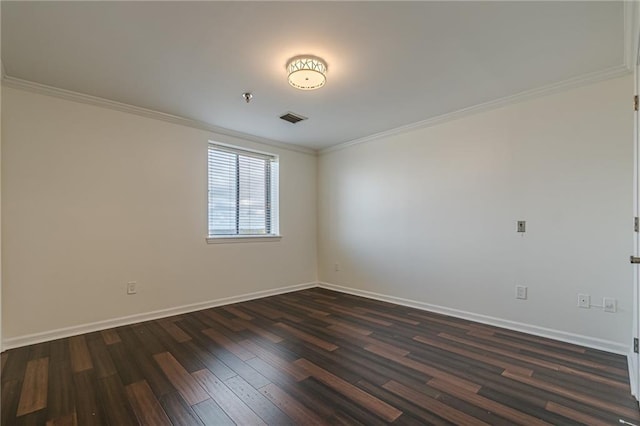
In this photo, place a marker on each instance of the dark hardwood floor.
(313, 357)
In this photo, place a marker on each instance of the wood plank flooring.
(313, 357)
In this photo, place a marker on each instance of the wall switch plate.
(521, 292)
(522, 226)
(132, 287)
(609, 304)
(584, 301)
(336, 267)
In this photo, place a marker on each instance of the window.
(243, 194)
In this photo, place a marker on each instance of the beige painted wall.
(93, 198)
(430, 215)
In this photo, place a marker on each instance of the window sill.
(243, 239)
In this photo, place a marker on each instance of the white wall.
(93, 198)
(431, 215)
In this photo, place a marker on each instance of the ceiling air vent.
(292, 118)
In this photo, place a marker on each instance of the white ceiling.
(390, 63)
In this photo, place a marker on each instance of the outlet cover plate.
(521, 292)
(132, 287)
(609, 304)
(584, 301)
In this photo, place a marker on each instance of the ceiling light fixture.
(307, 72)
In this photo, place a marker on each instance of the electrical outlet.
(522, 226)
(336, 267)
(609, 304)
(521, 292)
(584, 301)
(132, 287)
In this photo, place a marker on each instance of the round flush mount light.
(307, 72)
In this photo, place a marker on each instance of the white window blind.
(243, 192)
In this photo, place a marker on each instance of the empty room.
(319, 213)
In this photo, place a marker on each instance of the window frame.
(271, 197)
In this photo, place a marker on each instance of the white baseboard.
(60, 333)
(633, 372)
(563, 336)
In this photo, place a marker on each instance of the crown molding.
(571, 83)
(585, 79)
(631, 33)
(17, 83)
